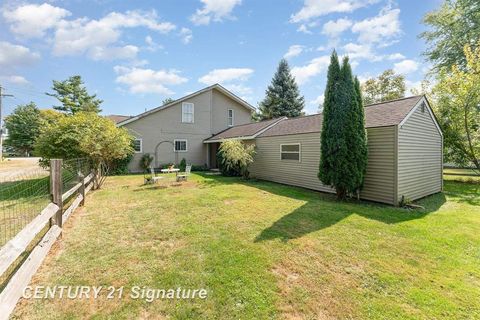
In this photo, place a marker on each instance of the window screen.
(187, 112)
(290, 152)
(137, 145)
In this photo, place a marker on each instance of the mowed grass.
(266, 251)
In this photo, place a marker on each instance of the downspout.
(395, 167)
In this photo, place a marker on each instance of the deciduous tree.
(454, 24)
(387, 86)
(23, 126)
(457, 97)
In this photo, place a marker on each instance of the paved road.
(14, 167)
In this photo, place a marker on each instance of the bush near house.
(235, 157)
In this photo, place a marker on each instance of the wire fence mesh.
(24, 193)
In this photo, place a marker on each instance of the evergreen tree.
(282, 97)
(343, 140)
(74, 96)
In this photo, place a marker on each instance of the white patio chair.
(184, 175)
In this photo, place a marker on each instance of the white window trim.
(193, 111)
(175, 145)
(141, 145)
(291, 144)
(228, 118)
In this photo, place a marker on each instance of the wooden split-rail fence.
(53, 216)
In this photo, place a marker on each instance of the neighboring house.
(404, 150)
(178, 129)
(118, 118)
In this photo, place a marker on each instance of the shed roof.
(383, 114)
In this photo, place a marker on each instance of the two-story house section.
(177, 130)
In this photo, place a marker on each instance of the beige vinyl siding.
(380, 177)
(268, 166)
(419, 156)
(222, 103)
(210, 117)
(379, 182)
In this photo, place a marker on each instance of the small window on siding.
(137, 145)
(180, 145)
(423, 107)
(230, 117)
(188, 112)
(290, 151)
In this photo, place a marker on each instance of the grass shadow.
(322, 210)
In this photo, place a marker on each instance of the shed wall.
(419, 156)
(379, 181)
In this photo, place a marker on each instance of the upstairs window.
(230, 117)
(187, 112)
(180, 145)
(290, 151)
(137, 145)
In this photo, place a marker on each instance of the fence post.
(56, 188)
(82, 187)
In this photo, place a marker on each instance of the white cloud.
(335, 28)
(112, 53)
(214, 10)
(98, 39)
(151, 44)
(384, 26)
(89, 36)
(33, 20)
(360, 51)
(15, 79)
(226, 75)
(303, 28)
(12, 55)
(313, 68)
(186, 35)
(395, 56)
(294, 51)
(318, 100)
(147, 80)
(315, 8)
(405, 66)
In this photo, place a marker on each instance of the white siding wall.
(419, 156)
(379, 182)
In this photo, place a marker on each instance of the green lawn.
(264, 250)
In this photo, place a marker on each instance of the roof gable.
(216, 86)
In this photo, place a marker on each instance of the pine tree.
(343, 142)
(282, 97)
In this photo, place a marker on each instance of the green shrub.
(120, 166)
(146, 161)
(235, 157)
(183, 165)
(200, 168)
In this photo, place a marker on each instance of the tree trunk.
(341, 193)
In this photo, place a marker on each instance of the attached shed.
(404, 151)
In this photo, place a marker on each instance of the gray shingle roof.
(118, 118)
(244, 130)
(383, 114)
(376, 115)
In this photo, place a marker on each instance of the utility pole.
(1, 121)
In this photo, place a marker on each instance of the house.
(405, 146)
(178, 129)
(117, 118)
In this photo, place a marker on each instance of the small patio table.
(170, 170)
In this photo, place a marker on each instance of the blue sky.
(134, 54)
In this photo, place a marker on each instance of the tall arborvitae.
(343, 143)
(362, 158)
(282, 97)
